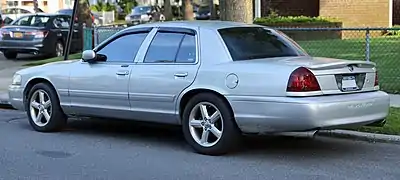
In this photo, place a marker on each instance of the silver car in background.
(216, 79)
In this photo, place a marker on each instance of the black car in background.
(43, 34)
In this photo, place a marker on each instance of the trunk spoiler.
(337, 65)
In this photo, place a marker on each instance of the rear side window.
(246, 43)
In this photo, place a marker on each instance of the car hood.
(47, 67)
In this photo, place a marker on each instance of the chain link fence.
(379, 45)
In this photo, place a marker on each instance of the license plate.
(349, 83)
(18, 35)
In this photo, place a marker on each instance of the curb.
(363, 136)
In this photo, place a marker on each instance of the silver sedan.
(218, 80)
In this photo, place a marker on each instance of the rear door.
(169, 66)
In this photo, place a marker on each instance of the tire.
(58, 49)
(56, 117)
(230, 137)
(10, 55)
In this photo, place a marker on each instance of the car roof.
(208, 24)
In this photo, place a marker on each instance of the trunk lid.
(337, 76)
(21, 33)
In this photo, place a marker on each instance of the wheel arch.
(34, 81)
(193, 92)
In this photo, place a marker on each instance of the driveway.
(9, 67)
(124, 150)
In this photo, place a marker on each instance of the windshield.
(34, 21)
(141, 10)
(246, 43)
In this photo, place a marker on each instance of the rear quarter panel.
(255, 78)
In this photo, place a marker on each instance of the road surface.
(116, 150)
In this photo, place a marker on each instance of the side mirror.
(88, 56)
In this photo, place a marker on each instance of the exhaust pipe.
(35, 53)
(306, 134)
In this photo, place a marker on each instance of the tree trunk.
(36, 6)
(167, 10)
(188, 10)
(84, 17)
(84, 13)
(237, 10)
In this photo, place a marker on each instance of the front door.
(169, 66)
(101, 89)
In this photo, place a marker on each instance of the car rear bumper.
(285, 114)
(23, 46)
(16, 96)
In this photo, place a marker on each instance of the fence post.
(367, 44)
(95, 37)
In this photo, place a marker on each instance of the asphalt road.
(116, 150)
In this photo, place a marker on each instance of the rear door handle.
(181, 74)
(122, 73)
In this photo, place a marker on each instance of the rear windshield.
(246, 43)
(34, 20)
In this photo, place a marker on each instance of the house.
(46, 5)
(353, 13)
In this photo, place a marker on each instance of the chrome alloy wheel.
(59, 49)
(40, 107)
(206, 130)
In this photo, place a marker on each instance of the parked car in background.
(216, 79)
(204, 13)
(144, 14)
(15, 13)
(95, 18)
(40, 33)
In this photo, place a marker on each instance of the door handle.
(181, 74)
(122, 73)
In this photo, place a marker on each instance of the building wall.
(291, 7)
(358, 13)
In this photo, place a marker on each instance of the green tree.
(127, 5)
(236, 10)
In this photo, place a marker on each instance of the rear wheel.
(209, 126)
(58, 49)
(10, 55)
(44, 110)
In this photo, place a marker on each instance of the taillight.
(376, 79)
(40, 34)
(302, 80)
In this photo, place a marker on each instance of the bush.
(293, 19)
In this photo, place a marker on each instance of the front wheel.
(44, 110)
(209, 126)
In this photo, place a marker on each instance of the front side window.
(34, 21)
(124, 48)
(168, 47)
(246, 43)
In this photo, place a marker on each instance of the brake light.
(302, 80)
(376, 79)
(40, 34)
